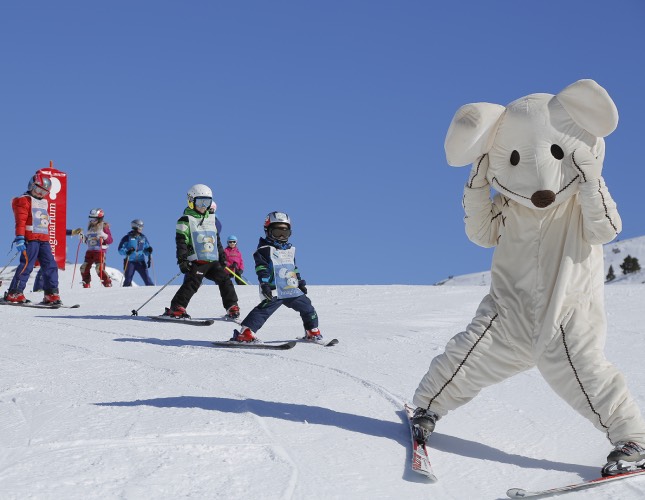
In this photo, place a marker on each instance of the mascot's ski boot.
(625, 457)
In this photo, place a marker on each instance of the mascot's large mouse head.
(529, 144)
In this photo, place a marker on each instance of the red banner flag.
(57, 199)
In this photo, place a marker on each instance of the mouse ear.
(471, 132)
(590, 106)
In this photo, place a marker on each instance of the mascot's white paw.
(478, 173)
(587, 165)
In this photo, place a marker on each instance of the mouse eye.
(557, 152)
(515, 158)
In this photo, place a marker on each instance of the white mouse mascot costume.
(543, 155)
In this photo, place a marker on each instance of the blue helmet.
(231, 238)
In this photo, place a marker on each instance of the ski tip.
(516, 493)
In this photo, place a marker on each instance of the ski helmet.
(277, 218)
(39, 185)
(137, 224)
(232, 238)
(201, 196)
(96, 213)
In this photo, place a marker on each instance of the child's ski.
(182, 321)
(35, 305)
(226, 317)
(520, 493)
(322, 342)
(254, 345)
(420, 459)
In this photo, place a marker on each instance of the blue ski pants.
(36, 251)
(263, 311)
(141, 268)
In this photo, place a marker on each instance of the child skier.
(97, 237)
(234, 260)
(200, 255)
(275, 265)
(39, 282)
(135, 247)
(31, 214)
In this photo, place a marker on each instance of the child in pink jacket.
(234, 259)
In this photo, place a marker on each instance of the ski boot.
(86, 284)
(625, 457)
(313, 335)
(107, 282)
(233, 312)
(15, 296)
(423, 422)
(52, 298)
(244, 335)
(176, 312)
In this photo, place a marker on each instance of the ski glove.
(302, 285)
(77, 231)
(149, 262)
(20, 243)
(266, 291)
(148, 250)
(185, 266)
(130, 251)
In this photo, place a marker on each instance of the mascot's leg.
(474, 359)
(575, 366)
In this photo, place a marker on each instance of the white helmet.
(96, 213)
(275, 217)
(281, 235)
(137, 224)
(199, 191)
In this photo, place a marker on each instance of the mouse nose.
(542, 199)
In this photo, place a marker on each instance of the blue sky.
(333, 111)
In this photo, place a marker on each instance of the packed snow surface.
(95, 403)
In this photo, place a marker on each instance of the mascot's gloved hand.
(477, 178)
(586, 165)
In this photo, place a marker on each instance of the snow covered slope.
(97, 404)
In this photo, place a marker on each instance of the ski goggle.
(202, 202)
(280, 233)
(39, 191)
(232, 242)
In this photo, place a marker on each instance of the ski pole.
(135, 312)
(12, 259)
(76, 259)
(154, 272)
(125, 267)
(238, 277)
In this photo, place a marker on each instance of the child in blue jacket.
(275, 265)
(136, 249)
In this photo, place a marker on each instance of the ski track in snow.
(95, 403)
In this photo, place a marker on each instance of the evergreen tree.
(610, 275)
(630, 265)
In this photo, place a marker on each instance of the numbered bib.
(284, 270)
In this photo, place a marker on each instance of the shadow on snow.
(398, 431)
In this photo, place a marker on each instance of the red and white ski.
(420, 459)
(520, 493)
